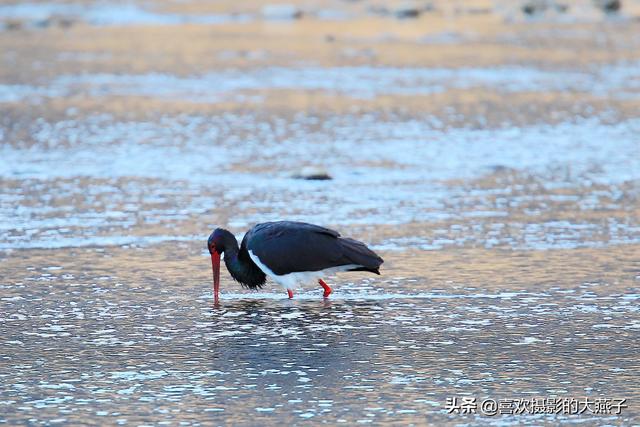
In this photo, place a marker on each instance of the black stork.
(290, 253)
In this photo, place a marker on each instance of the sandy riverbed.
(492, 159)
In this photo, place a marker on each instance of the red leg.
(290, 292)
(327, 288)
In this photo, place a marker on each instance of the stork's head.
(217, 244)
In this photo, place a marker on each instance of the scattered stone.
(281, 12)
(501, 169)
(533, 7)
(65, 22)
(13, 24)
(312, 173)
(55, 21)
(608, 6)
(539, 7)
(407, 11)
(52, 21)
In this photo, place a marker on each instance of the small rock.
(281, 12)
(65, 22)
(538, 7)
(409, 10)
(406, 12)
(13, 24)
(501, 169)
(55, 21)
(413, 9)
(534, 7)
(608, 6)
(312, 173)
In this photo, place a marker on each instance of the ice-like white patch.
(138, 375)
(106, 13)
(528, 341)
(61, 386)
(361, 81)
(102, 150)
(292, 315)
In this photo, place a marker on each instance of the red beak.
(215, 266)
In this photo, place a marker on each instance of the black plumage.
(288, 247)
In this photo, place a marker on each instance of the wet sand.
(493, 160)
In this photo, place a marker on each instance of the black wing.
(289, 247)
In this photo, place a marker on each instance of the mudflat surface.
(491, 158)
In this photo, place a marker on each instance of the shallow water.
(501, 189)
(133, 336)
(78, 351)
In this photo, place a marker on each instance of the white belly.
(293, 280)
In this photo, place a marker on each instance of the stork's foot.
(290, 292)
(327, 288)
